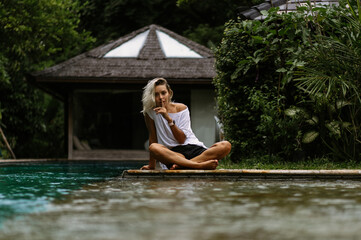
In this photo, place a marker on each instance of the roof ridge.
(151, 48)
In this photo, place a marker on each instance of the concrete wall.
(202, 115)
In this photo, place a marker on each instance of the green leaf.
(258, 38)
(310, 136)
(282, 70)
(347, 125)
(341, 104)
(291, 112)
(264, 12)
(313, 120)
(334, 127)
(300, 63)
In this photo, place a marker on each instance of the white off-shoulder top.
(182, 121)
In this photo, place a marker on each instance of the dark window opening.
(109, 120)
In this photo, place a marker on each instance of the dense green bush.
(257, 94)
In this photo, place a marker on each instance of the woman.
(171, 139)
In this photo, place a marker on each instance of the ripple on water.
(198, 209)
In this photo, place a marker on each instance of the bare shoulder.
(180, 107)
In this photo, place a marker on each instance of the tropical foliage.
(35, 34)
(289, 84)
(332, 78)
(199, 20)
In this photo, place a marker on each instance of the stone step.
(245, 174)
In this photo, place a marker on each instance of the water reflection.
(27, 188)
(198, 209)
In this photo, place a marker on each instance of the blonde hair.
(148, 98)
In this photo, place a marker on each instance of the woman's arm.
(152, 139)
(178, 133)
(151, 129)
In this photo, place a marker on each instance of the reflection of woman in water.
(171, 139)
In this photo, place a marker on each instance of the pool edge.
(245, 174)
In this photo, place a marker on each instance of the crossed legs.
(207, 160)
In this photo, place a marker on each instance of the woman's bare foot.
(207, 165)
(175, 167)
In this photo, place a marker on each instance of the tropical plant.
(332, 77)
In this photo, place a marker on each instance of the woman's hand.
(146, 167)
(164, 111)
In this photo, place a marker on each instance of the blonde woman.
(171, 139)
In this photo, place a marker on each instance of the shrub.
(256, 63)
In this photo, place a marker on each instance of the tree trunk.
(7, 144)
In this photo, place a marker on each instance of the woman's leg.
(168, 157)
(218, 151)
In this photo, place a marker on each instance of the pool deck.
(245, 174)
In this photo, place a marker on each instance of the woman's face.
(161, 95)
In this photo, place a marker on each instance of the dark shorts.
(189, 151)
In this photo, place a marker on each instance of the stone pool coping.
(239, 174)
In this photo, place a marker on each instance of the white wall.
(202, 115)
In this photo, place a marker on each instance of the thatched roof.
(157, 56)
(285, 6)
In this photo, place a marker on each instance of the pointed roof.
(152, 51)
(152, 43)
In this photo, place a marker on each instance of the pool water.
(28, 188)
(109, 207)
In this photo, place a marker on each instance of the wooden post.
(7, 144)
(70, 124)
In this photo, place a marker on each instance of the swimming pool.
(109, 207)
(30, 187)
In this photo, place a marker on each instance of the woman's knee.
(155, 148)
(225, 147)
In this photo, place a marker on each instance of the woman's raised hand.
(164, 111)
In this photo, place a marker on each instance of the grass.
(276, 163)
